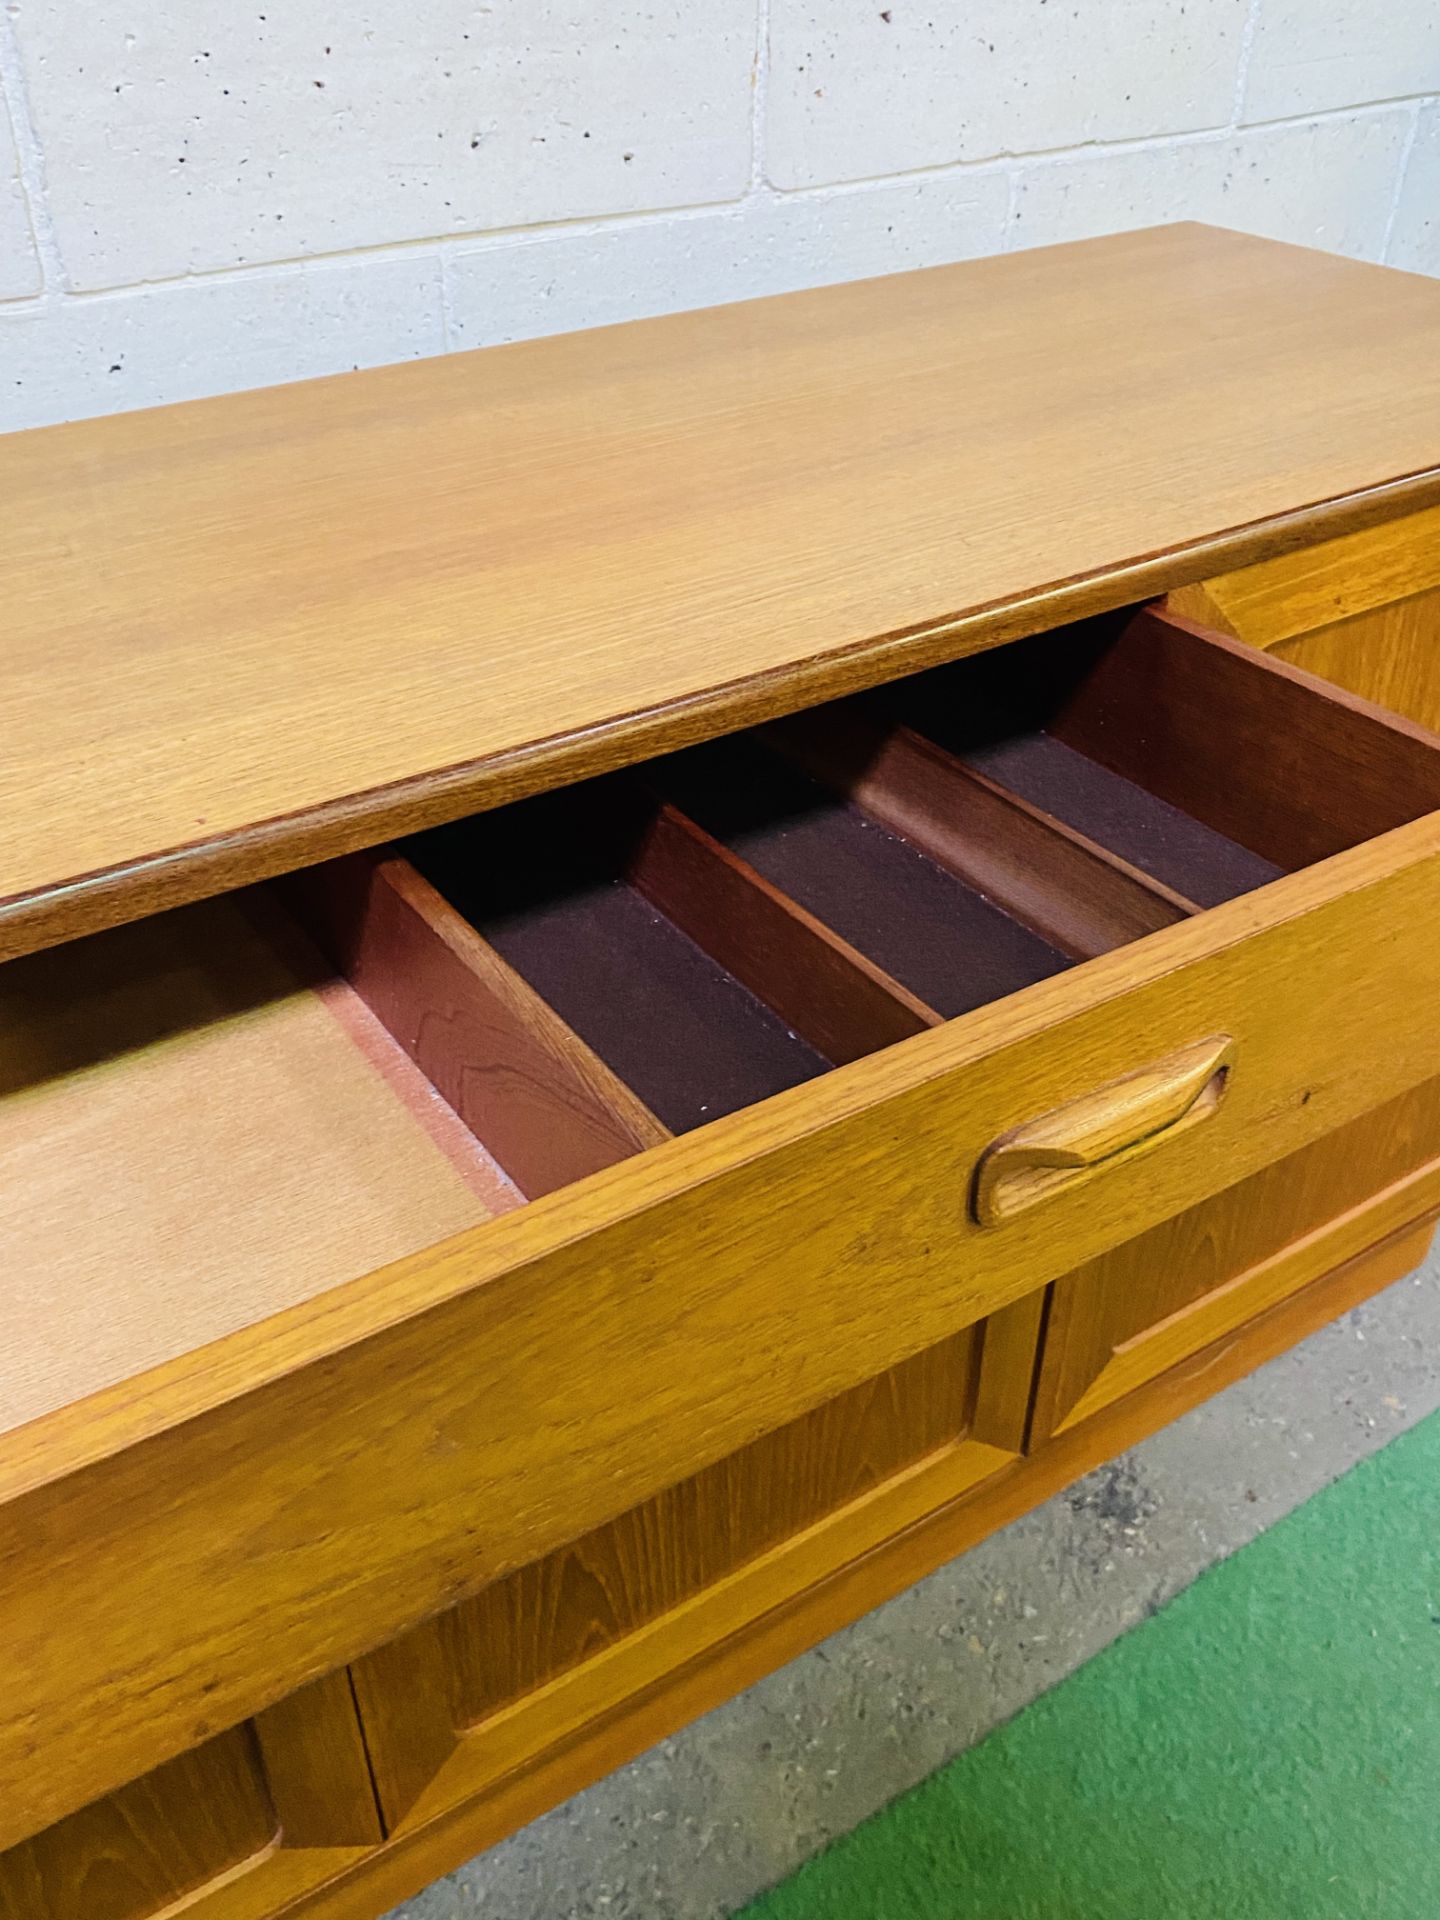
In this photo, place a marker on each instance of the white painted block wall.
(218, 194)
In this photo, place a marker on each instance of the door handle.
(1115, 1123)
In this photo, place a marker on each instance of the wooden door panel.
(548, 1617)
(697, 1558)
(157, 1840)
(230, 1830)
(1129, 1315)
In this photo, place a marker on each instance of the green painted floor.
(1265, 1748)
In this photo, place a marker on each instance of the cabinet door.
(233, 1829)
(1370, 1190)
(563, 1669)
(1363, 611)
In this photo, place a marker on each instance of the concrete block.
(19, 262)
(1329, 184)
(191, 138)
(1076, 197)
(873, 89)
(1308, 55)
(1325, 184)
(1415, 241)
(107, 353)
(516, 289)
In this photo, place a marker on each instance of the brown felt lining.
(675, 1025)
(927, 929)
(546, 881)
(995, 711)
(1151, 834)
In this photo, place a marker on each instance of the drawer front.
(232, 1830)
(309, 1489)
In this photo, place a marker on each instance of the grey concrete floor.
(704, 1821)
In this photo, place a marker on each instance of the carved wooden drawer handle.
(1144, 1109)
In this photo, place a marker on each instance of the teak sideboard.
(651, 979)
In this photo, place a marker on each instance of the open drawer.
(389, 1229)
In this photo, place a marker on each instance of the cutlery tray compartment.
(227, 1109)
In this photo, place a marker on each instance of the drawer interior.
(1039, 727)
(218, 1112)
(201, 1123)
(892, 900)
(571, 891)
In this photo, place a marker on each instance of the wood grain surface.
(547, 1108)
(1076, 894)
(1363, 611)
(839, 1001)
(139, 1851)
(546, 1619)
(1320, 585)
(199, 1127)
(1137, 1310)
(574, 1733)
(1389, 655)
(236, 1829)
(246, 633)
(888, 893)
(1265, 753)
(382, 1451)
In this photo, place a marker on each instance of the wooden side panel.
(234, 1829)
(1390, 655)
(1260, 752)
(145, 1078)
(422, 1695)
(1319, 585)
(834, 997)
(1363, 611)
(526, 1086)
(1072, 891)
(1126, 1317)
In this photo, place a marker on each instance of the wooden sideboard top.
(247, 633)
